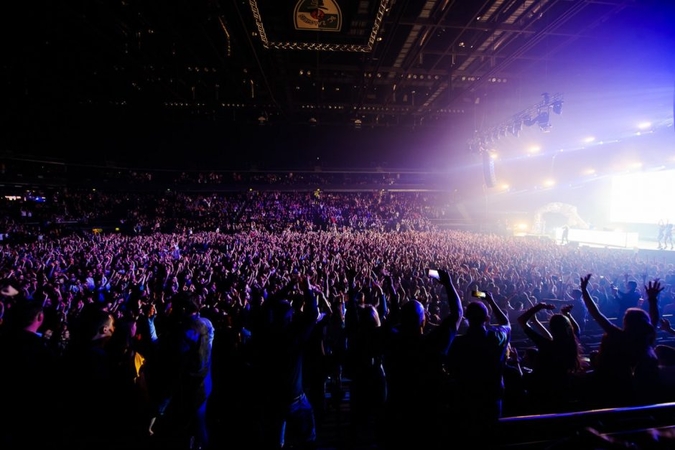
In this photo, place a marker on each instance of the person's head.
(560, 326)
(25, 314)
(369, 317)
(632, 285)
(637, 324)
(530, 356)
(125, 329)
(101, 325)
(282, 314)
(127, 326)
(361, 297)
(477, 313)
(185, 303)
(637, 320)
(576, 294)
(413, 317)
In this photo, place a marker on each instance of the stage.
(645, 249)
(626, 241)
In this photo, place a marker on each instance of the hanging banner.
(317, 15)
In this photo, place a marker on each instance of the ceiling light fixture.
(543, 120)
(529, 121)
(538, 113)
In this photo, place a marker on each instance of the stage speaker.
(489, 170)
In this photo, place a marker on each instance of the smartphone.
(479, 294)
(433, 273)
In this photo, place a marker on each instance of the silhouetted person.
(287, 416)
(565, 239)
(187, 356)
(413, 363)
(90, 374)
(661, 235)
(127, 387)
(626, 367)
(28, 379)
(668, 236)
(577, 310)
(315, 360)
(366, 310)
(476, 363)
(551, 384)
(630, 298)
(368, 388)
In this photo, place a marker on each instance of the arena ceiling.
(471, 66)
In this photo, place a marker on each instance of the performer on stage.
(565, 235)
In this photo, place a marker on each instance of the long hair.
(638, 325)
(562, 332)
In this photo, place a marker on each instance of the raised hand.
(584, 281)
(444, 277)
(666, 326)
(653, 288)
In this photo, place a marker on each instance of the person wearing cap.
(413, 364)
(476, 362)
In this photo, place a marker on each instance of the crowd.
(223, 335)
(184, 212)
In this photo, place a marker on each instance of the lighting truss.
(537, 114)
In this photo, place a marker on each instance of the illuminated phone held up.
(478, 294)
(433, 273)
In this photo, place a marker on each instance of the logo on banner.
(318, 15)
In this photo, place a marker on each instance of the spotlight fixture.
(516, 127)
(544, 124)
(543, 120)
(545, 127)
(538, 113)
